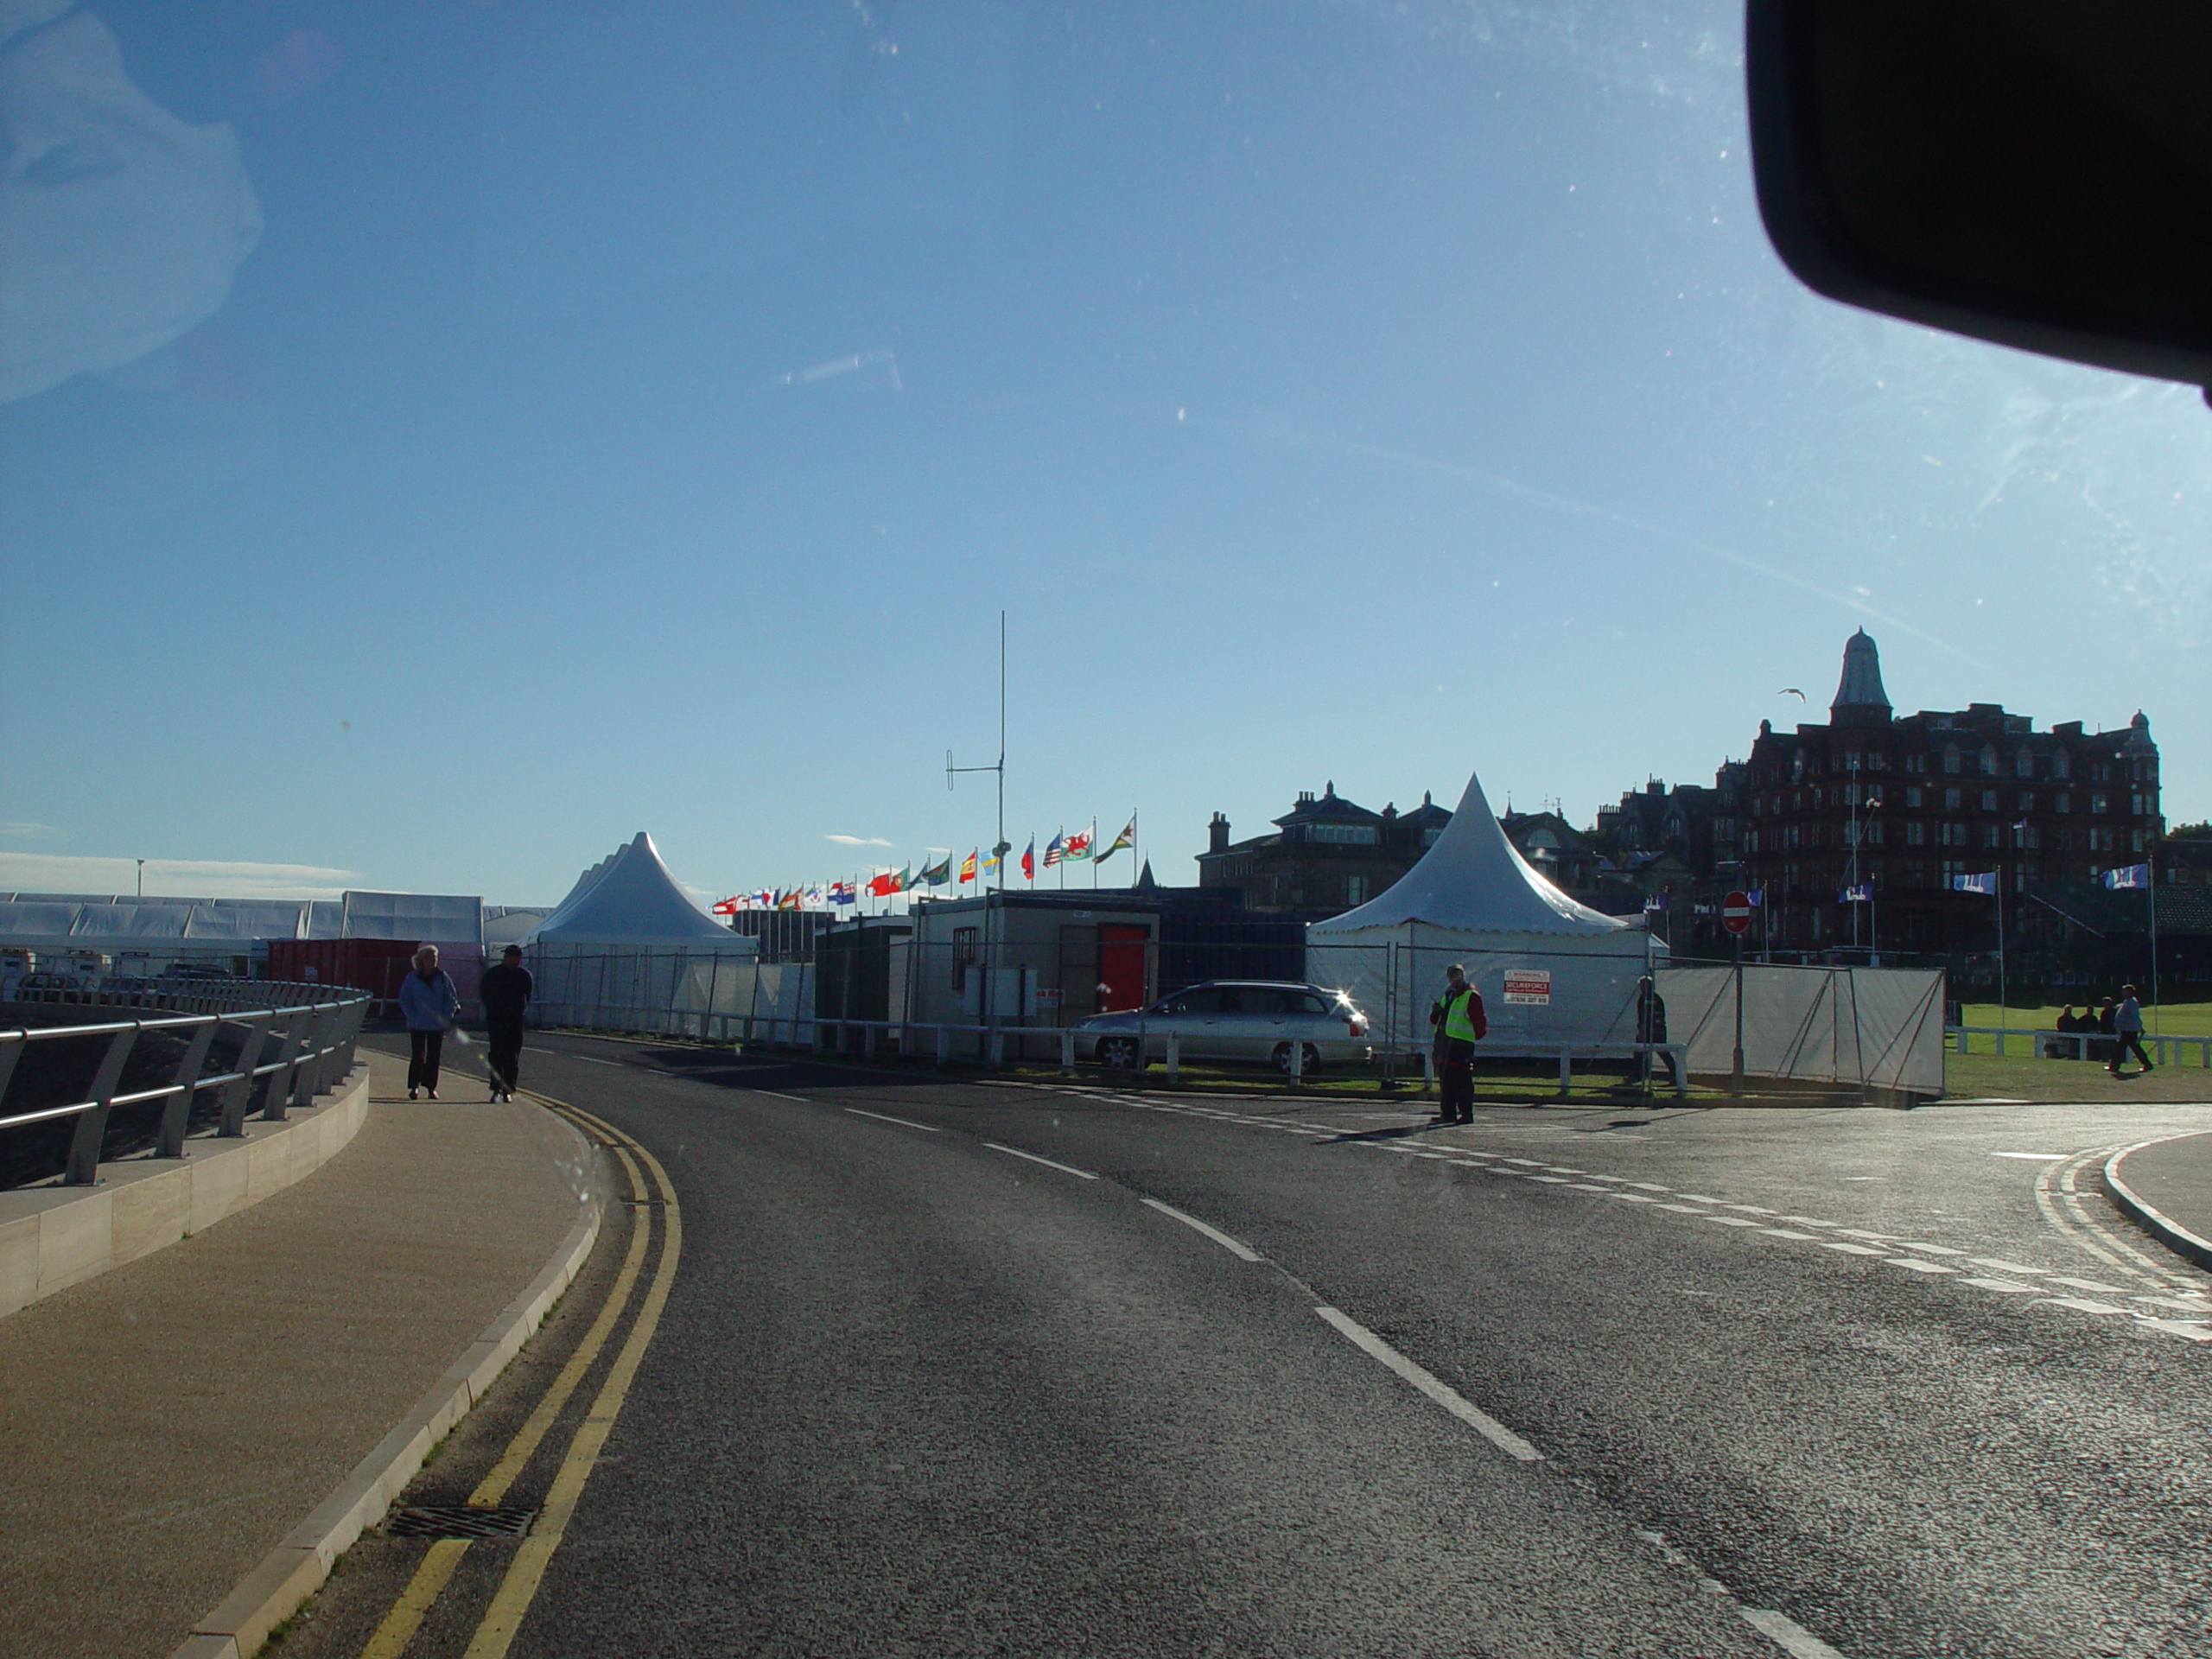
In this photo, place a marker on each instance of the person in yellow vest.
(1460, 1023)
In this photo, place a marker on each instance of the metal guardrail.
(2040, 1043)
(828, 1035)
(311, 1043)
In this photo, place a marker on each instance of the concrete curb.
(292, 1572)
(52, 1237)
(2147, 1216)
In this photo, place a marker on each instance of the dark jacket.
(503, 991)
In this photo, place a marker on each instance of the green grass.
(2175, 1019)
(2016, 1076)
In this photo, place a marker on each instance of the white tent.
(1550, 971)
(439, 918)
(630, 899)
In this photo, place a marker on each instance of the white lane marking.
(881, 1118)
(1860, 1232)
(1809, 1221)
(1587, 1187)
(2079, 1305)
(1552, 1180)
(1683, 1209)
(1852, 1250)
(1788, 1634)
(2187, 1304)
(2088, 1284)
(550, 1053)
(1450, 1399)
(590, 1059)
(1783, 1232)
(1241, 1252)
(1631, 1198)
(2192, 1331)
(1649, 1186)
(1995, 1265)
(2041, 1156)
(1066, 1169)
(1931, 1250)
(1696, 1197)
(2002, 1287)
(1914, 1264)
(1730, 1221)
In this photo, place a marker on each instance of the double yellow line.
(526, 1571)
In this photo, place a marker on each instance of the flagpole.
(1094, 852)
(2151, 869)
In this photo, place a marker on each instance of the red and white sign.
(1736, 912)
(1532, 986)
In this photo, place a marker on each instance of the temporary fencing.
(715, 995)
(1865, 1027)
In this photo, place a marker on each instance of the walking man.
(1460, 1023)
(1651, 1028)
(504, 991)
(429, 1002)
(2127, 1030)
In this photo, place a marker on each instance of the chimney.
(1217, 834)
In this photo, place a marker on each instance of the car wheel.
(1311, 1062)
(1119, 1052)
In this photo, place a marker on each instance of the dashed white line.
(1788, 1634)
(2088, 1284)
(2079, 1305)
(797, 1100)
(1915, 1264)
(590, 1059)
(1450, 1399)
(2002, 1287)
(1242, 1252)
(1065, 1169)
(1995, 1265)
(2040, 1157)
(1853, 1249)
(886, 1117)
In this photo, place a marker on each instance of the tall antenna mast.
(999, 851)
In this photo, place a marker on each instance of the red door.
(1120, 966)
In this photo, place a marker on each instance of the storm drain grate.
(457, 1521)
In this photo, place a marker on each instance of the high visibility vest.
(1457, 1025)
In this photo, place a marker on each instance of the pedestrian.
(1460, 1023)
(505, 992)
(428, 1001)
(1651, 1028)
(2127, 1030)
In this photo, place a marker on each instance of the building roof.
(629, 898)
(1860, 688)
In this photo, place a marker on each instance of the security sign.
(1532, 986)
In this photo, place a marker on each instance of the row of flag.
(1066, 847)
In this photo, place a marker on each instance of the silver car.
(1251, 1021)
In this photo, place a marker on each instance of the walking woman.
(428, 1001)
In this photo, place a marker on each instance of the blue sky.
(635, 417)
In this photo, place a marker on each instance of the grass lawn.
(2175, 1019)
(2016, 1076)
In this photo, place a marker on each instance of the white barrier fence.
(715, 996)
(1870, 1027)
(2074, 1045)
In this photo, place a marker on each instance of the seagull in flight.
(1790, 692)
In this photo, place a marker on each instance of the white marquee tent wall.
(1474, 899)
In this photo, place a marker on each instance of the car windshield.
(752, 499)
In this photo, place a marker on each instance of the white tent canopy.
(1550, 971)
(630, 899)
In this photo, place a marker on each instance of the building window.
(2060, 767)
(2025, 766)
(1428, 836)
(2027, 800)
(2061, 802)
(1343, 834)
(1988, 763)
(1989, 835)
(2096, 803)
(1952, 799)
(1914, 833)
(1989, 800)
(2135, 836)
(1954, 834)
(1355, 890)
(2030, 837)
(964, 956)
(1912, 795)
(2135, 805)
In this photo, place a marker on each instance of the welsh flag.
(1055, 850)
(1029, 859)
(1079, 844)
(967, 865)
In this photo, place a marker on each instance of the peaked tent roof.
(1474, 880)
(629, 898)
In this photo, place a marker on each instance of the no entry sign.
(1736, 912)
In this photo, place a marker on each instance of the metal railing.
(2042, 1043)
(309, 1044)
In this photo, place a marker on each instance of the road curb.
(2146, 1215)
(288, 1574)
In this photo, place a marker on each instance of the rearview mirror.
(2036, 173)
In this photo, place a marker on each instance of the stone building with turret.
(1900, 804)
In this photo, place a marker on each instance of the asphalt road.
(1867, 1382)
